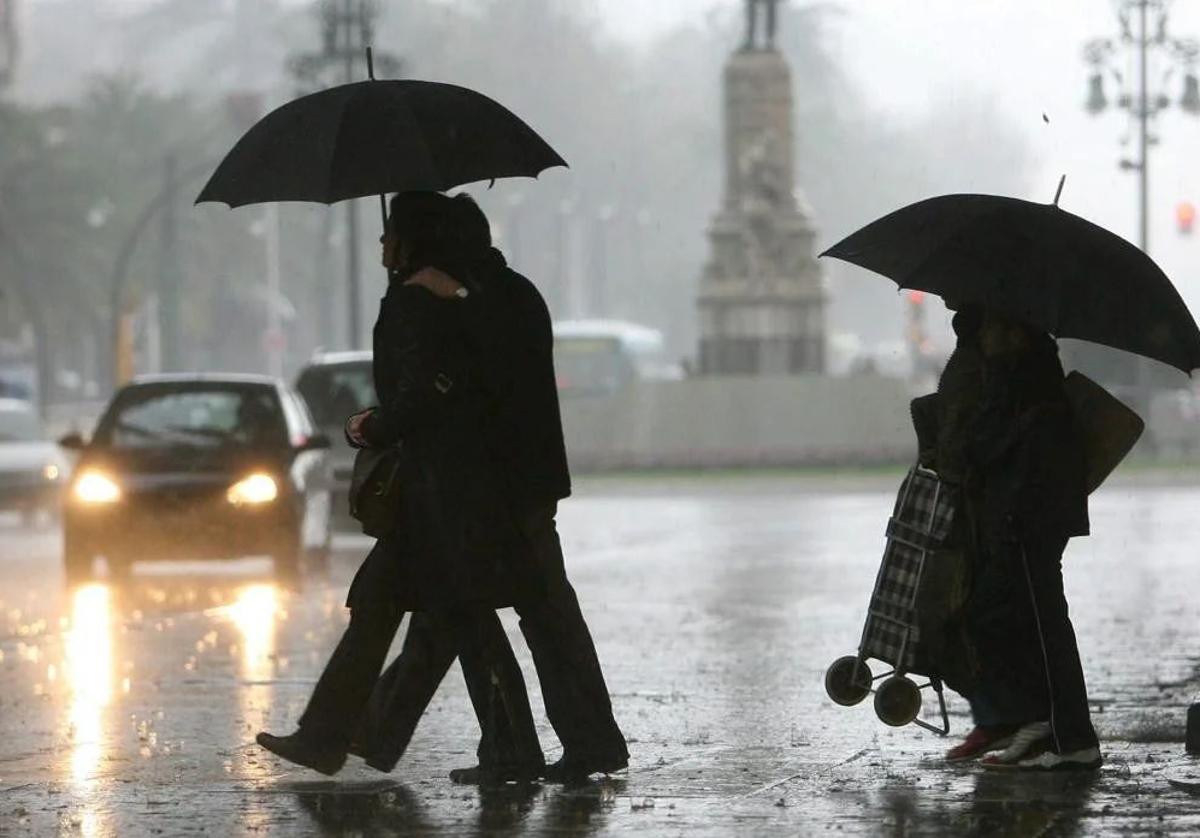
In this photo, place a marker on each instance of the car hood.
(181, 465)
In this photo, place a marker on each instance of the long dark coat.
(1029, 467)
(1027, 451)
(507, 315)
(456, 534)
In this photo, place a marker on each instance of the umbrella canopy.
(373, 137)
(1035, 262)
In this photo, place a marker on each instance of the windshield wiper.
(207, 433)
(138, 429)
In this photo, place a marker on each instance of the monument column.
(762, 301)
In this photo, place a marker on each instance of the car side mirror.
(316, 442)
(72, 442)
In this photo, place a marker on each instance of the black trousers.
(1030, 657)
(350, 692)
(564, 654)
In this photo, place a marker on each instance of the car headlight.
(257, 488)
(51, 472)
(93, 487)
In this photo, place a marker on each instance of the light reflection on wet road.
(716, 604)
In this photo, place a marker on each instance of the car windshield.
(207, 418)
(18, 425)
(335, 393)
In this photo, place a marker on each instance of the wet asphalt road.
(716, 602)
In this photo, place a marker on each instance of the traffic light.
(1185, 217)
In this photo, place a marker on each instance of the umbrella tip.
(1058, 192)
(370, 64)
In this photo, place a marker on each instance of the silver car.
(32, 470)
(336, 385)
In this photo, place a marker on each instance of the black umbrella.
(373, 137)
(1035, 262)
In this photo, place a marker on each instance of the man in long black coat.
(505, 312)
(448, 555)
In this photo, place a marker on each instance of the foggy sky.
(1027, 56)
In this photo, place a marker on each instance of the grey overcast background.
(964, 84)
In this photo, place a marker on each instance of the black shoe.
(492, 775)
(376, 761)
(295, 748)
(571, 769)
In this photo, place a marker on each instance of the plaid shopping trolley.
(920, 526)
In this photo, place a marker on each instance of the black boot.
(490, 775)
(296, 748)
(572, 769)
(379, 762)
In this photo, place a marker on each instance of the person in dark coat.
(508, 317)
(450, 551)
(944, 422)
(1026, 474)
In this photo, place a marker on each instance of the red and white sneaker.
(1032, 738)
(1085, 759)
(980, 741)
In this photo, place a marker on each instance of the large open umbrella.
(1036, 262)
(373, 137)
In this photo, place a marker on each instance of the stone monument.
(762, 301)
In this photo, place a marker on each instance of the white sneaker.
(1085, 759)
(1023, 741)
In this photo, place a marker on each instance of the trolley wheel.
(848, 681)
(897, 701)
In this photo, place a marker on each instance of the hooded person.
(1026, 477)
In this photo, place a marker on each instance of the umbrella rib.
(333, 153)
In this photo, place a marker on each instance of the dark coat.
(506, 314)
(1026, 451)
(456, 534)
(1028, 466)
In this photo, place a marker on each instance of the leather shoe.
(488, 775)
(376, 761)
(571, 769)
(295, 748)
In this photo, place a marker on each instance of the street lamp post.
(600, 293)
(1143, 35)
(1142, 104)
(347, 29)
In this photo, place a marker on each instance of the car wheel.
(317, 559)
(77, 560)
(286, 560)
(119, 567)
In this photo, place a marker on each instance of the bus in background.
(603, 357)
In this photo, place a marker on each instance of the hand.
(437, 282)
(354, 428)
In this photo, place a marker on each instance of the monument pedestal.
(762, 301)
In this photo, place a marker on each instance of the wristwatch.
(461, 292)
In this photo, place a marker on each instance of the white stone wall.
(742, 421)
